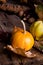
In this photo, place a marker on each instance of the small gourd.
(22, 39)
(39, 11)
(22, 42)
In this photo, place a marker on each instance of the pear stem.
(23, 26)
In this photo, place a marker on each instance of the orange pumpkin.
(22, 39)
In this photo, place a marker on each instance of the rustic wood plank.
(7, 57)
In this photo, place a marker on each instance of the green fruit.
(39, 11)
(37, 30)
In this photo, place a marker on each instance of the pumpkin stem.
(23, 26)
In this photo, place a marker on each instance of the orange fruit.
(22, 40)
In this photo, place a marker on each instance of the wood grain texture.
(7, 58)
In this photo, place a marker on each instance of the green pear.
(37, 30)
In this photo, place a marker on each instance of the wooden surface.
(9, 58)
